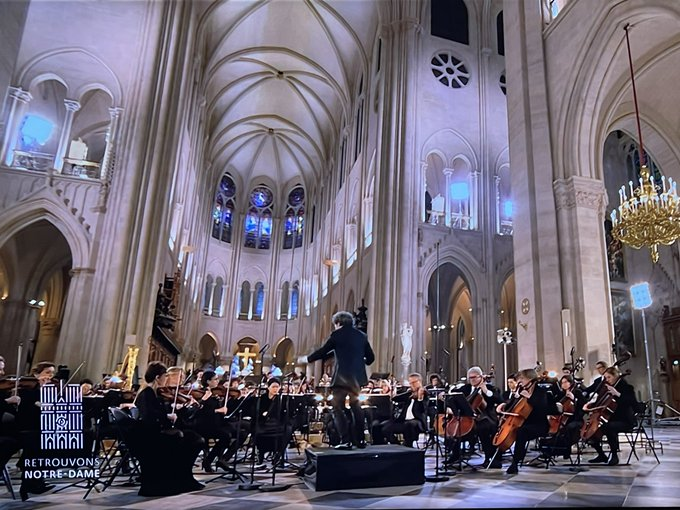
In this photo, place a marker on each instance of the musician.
(486, 419)
(352, 353)
(28, 424)
(621, 420)
(435, 382)
(167, 454)
(570, 399)
(210, 422)
(512, 385)
(600, 366)
(536, 423)
(273, 431)
(412, 419)
(9, 444)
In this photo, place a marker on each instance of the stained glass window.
(258, 222)
(223, 210)
(258, 313)
(294, 219)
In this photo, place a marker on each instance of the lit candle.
(630, 185)
(663, 183)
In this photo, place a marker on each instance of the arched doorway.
(283, 356)
(450, 332)
(208, 352)
(507, 322)
(36, 264)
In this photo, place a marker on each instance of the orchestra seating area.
(643, 483)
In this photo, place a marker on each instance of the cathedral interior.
(199, 181)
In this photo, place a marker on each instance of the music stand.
(436, 477)
(460, 407)
(260, 389)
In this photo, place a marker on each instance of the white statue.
(407, 343)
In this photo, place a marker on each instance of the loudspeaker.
(375, 466)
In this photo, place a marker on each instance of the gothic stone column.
(580, 205)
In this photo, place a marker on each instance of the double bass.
(512, 418)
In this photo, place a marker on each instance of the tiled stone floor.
(643, 483)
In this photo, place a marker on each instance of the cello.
(568, 404)
(601, 411)
(512, 417)
(604, 405)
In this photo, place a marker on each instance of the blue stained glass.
(35, 131)
(217, 213)
(266, 226)
(251, 223)
(459, 191)
(290, 224)
(227, 186)
(261, 197)
(294, 303)
(507, 208)
(259, 306)
(297, 196)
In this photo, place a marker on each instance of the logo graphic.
(61, 419)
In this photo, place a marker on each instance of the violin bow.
(18, 372)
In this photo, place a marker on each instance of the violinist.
(614, 388)
(168, 453)
(272, 432)
(483, 398)
(9, 443)
(210, 422)
(535, 425)
(28, 422)
(412, 419)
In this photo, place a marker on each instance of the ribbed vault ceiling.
(280, 77)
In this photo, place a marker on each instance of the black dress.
(166, 455)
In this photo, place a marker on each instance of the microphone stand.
(437, 477)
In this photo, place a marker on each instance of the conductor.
(352, 354)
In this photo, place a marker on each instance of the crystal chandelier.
(650, 216)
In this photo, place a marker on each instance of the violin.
(512, 418)
(169, 393)
(24, 383)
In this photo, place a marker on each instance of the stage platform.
(374, 466)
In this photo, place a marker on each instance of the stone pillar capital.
(115, 112)
(577, 191)
(71, 105)
(19, 94)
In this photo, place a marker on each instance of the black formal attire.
(412, 419)
(621, 420)
(570, 433)
(212, 425)
(239, 422)
(273, 429)
(589, 390)
(166, 454)
(352, 354)
(9, 443)
(536, 424)
(486, 424)
(28, 425)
